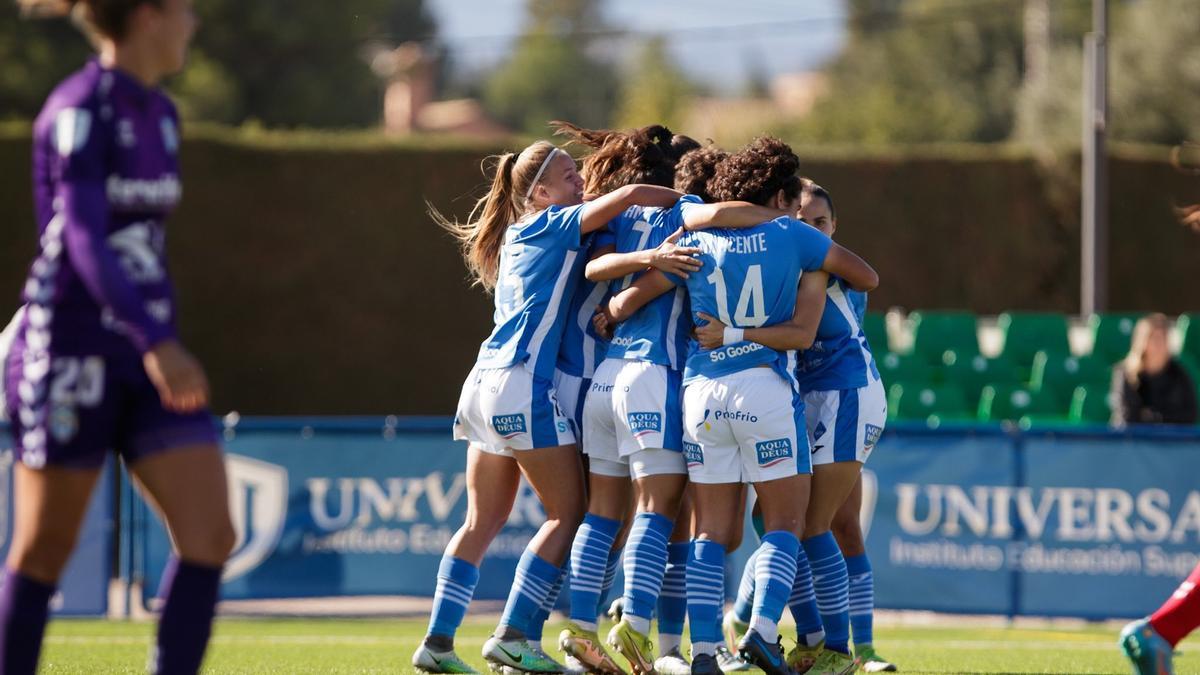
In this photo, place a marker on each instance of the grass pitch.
(385, 646)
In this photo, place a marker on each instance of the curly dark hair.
(645, 155)
(757, 172)
(696, 168)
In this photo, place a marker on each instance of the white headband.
(541, 170)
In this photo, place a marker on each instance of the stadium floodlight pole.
(1094, 227)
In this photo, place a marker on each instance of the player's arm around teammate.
(523, 241)
(96, 363)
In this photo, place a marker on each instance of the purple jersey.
(105, 177)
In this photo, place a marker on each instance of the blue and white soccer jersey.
(743, 420)
(508, 401)
(633, 409)
(745, 427)
(844, 396)
(582, 349)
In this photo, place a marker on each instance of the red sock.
(1180, 614)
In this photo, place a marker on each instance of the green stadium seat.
(935, 332)
(972, 372)
(875, 327)
(1012, 402)
(1192, 365)
(1089, 405)
(1111, 334)
(917, 402)
(1059, 374)
(1189, 327)
(1027, 333)
(904, 368)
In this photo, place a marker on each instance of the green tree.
(922, 71)
(282, 63)
(550, 73)
(655, 89)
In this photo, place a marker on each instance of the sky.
(717, 42)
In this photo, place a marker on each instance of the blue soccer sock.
(803, 603)
(645, 565)
(538, 622)
(743, 605)
(456, 581)
(862, 599)
(534, 580)
(833, 589)
(705, 595)
(615, 556)
(589, 557)
(774, 572)
(672, 601)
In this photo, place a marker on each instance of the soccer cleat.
(672, 663)
(616, 610)
(573, 666)
(730, 662)
(518, 655)
(705, 664)
(733, 629)
(832, 662)
(585, 646)
(768, 657)
(429, 661)
(1149, 653)
(871, 662)
(634, 646)
(802, 657)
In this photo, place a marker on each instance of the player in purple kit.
(95, 364)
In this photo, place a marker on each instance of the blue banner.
(83, 589)
(969, 520)
(328, 511)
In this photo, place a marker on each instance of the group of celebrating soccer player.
(669, 309)
(678, 312)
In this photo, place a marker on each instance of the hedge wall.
(312, 282)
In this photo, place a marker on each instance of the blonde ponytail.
(482, 236)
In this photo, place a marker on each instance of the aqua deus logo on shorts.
(509, 425)
(693, 454)
(642, 423)
(871, 436)
(773, 452)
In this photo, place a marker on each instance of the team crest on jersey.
(773, 452)
(63, 423)
(642, 423)
(170, 134)
(509, 426)
(693, 454)
(871, 436)
(72, 126)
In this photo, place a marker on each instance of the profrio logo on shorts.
(693, 454)
(642, 423)
(773, 452)
(509, 426)
(735, 416)
(733, 351)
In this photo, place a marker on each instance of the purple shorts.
(71, 411)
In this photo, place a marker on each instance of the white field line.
(389, 641)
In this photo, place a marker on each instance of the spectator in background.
(1150, 386)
